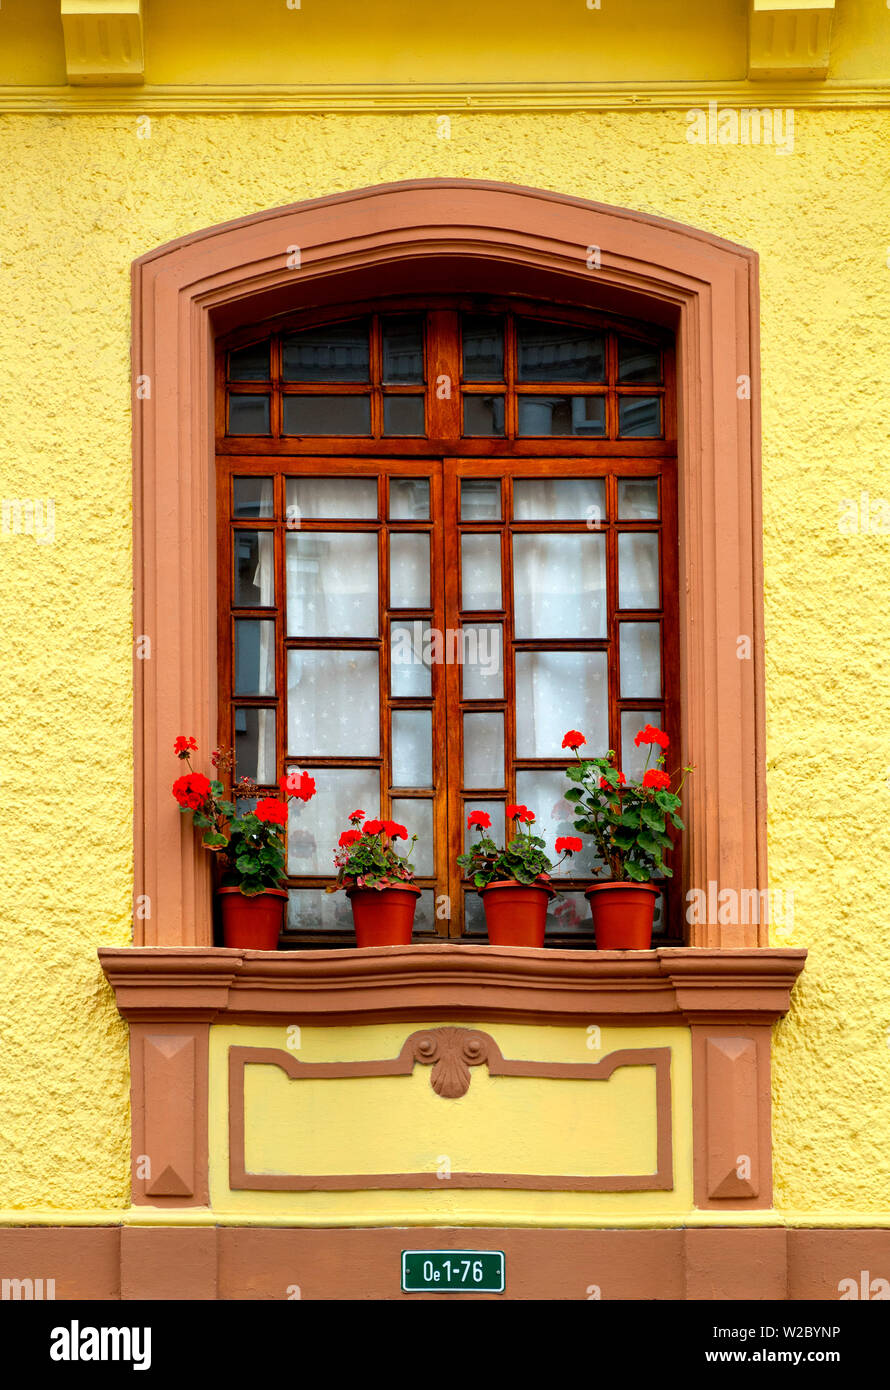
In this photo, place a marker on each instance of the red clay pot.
(383, 916)
(515, 913)
(622, 915)
(252, 924)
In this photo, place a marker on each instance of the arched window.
(447, 534)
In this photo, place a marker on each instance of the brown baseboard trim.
(266, 1263)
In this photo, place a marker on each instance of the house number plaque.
(452, 1271)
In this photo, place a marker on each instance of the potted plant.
(513, 882)
(251, 847)
(377, 880)
(628, 823)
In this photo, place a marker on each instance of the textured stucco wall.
(80, 198)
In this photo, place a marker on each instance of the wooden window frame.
(428, 237)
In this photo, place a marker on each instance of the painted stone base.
(236, 1262)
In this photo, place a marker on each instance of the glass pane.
(639, 416)
(250, 363)
(480, 499)
(312, 498)
(480, 570)
(312, 909)
(409, 499)
(474, 914)
(558, 352)
(416, 814)
(252, 497)
(480, 653)
(556, 691)
(559, 585)
(559, 499)
(484, 749)
(254, 569)
(633, 759)
(569, 914)
(544, 793)
(483, 415)
(659, 921)
(579, 415)
(331, 583)
(483, 347)
(333, 706)
(637, 499)
(255, 745)
(327, 415)
(495, 810)
(409, 570)
(410, 652)
(425, 913)
(638, 361)
(315, 826)
(638, 584)
(412, 748)
(403, 415)
(639, 655)
(402, 348)
(248, 414)
(336, 352)
(254, 656)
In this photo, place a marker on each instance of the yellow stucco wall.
(80, 198)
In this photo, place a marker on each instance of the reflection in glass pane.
(495, 809)
(639, 416)
(639, 656)
(327, 415)
(483, 347)
(637, 499)
(252, 497)
(569, 914)
(403, 415)
(254, 569)
(559, 584)
(482, 661)
(412, 748)
(312, 909)
(633, 759)
(331, 583)
(638, 361)
(659, 921)
(409, 670)
(409, 499)
(483, 415)
(425, 922)
(578, 415)
(480, 570)
(248, 414)
(314, 498)
(638, 585)
(480, 499)
(402, 348)
(474, 914)
(484, 749)
(544, 793)
(254, 656)
(255, 745)
(558, 352)
(250, 363)
(556, 691)
(333, 705)
(336, 352)
(416, 814)
(409, 569)
(559, 499)
(315, 826)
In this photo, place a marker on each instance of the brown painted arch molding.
(432, 236)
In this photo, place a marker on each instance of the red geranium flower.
(191, 791)
(373, 827)
(527, 816)
(298, 784)
(394, 830)
(356, 815)
(656, 778)
(607, 786)
(573, 739)
(652, 735)
(568, 844)
(349, 837)
(481, 818)
(514, 812)
(272, 810)
(183, 745)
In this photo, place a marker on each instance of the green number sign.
(453, 1271)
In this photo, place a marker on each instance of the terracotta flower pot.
(515, 913)
(252, 924)
(383, 916)
(622, 915)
